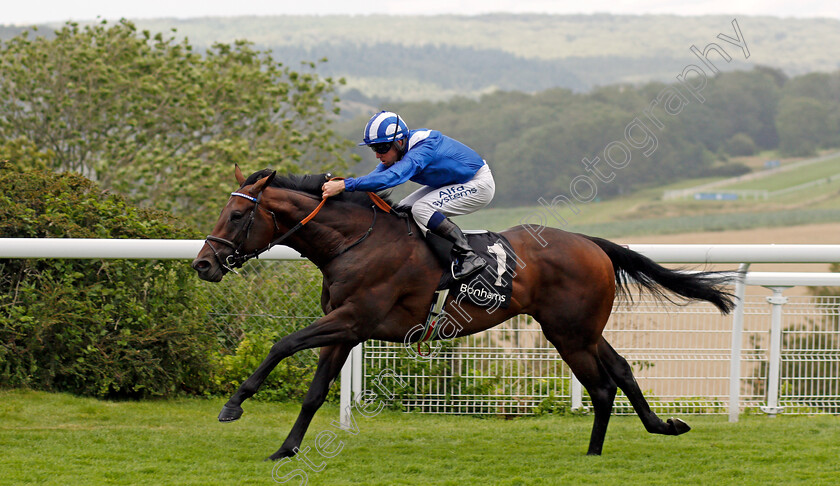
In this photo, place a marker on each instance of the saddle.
(493, 285)
(490, 288)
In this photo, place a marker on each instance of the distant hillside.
(549, 143)
(412, 58)
(9, 31)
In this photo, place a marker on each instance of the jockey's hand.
(332, 188)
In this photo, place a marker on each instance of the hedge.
(105, 328)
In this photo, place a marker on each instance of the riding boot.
(467, 262)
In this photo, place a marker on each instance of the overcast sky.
(34, 11)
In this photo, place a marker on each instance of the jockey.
(456, 180)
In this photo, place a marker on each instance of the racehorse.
(379, 277)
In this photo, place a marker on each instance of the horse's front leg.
(334, 328)
(329, 365)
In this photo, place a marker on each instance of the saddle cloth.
(493, 285)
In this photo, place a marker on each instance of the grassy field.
(784, 180)
(646, 213)
(61, 439)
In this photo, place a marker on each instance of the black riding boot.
(467, 262)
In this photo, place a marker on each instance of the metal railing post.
(358, 373)
(346, 397)
(351, 384)
(777, 300)
(737, 338)
(577, 393)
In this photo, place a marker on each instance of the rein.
(237, 258)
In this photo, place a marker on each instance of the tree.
(147, 116)
(803, 124)
(21, 153)
(824, 88)
(745, 102)
(740, 144)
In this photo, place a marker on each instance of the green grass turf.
(784, 180)
(60, 439)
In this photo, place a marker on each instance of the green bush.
(106, 328)
(741, 144)
(252, 311)
(551, 405)
(288, 381)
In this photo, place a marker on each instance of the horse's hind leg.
(622, 374)
(592, 375)
(584, 363)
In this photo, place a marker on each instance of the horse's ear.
(238, 174)
(261, 184)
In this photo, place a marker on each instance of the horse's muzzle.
(208, 269)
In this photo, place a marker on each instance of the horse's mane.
(311, 184)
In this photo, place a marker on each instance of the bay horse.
(379, 279)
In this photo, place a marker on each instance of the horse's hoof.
(678, 426)
(280, 454)
(229, 414)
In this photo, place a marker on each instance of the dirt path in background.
(813, 234)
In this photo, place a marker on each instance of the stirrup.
(476, 270)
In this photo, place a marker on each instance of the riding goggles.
(381, 148)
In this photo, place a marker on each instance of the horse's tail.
(649, 275)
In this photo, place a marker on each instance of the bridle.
(239, 257)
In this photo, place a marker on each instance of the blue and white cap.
(385, 126)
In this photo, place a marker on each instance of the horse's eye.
(235, 216)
